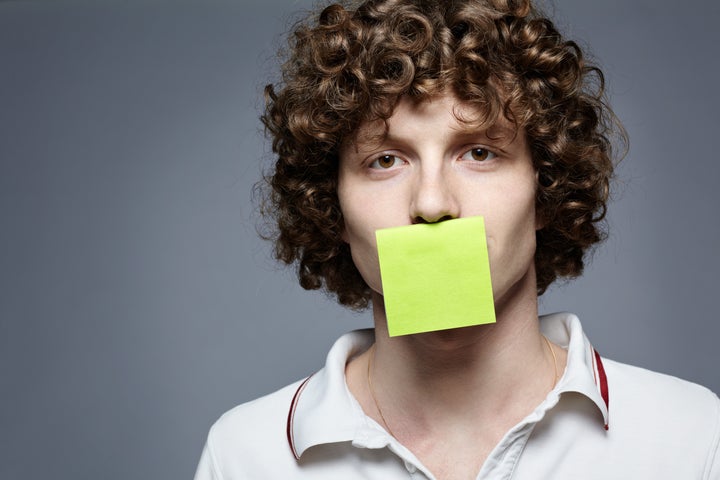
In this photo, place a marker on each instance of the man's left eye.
(478, 154)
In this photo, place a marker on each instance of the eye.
(384, 162)
(478, 154)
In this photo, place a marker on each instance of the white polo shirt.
(603, 420)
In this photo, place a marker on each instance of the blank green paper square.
(435, 276)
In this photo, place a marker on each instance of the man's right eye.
(384, 162)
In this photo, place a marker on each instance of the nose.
(433, 199)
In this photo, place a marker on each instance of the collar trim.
(291, 417)
(601, 382)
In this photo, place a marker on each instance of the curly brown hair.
(351, 64)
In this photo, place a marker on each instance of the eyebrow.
(377, 136)
(493, 132)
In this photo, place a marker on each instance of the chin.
(454, 339)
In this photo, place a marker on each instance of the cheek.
(346, 208)
(511, 231)
(363, 249)
(359, 234)
(366, 261)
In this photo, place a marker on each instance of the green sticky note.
(435, 276)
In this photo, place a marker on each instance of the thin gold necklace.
(371, 354)
(372, 390)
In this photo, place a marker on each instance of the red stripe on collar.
(291, 417)
(602, 382)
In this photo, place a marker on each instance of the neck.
(436, 378)
(450, 396)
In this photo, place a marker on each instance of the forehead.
(445, 113)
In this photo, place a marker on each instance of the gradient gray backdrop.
(136, 302)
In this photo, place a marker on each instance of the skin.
(432, 167)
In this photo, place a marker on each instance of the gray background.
(136, 302)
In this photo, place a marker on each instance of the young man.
(407, 112)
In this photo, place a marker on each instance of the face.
(431, 167)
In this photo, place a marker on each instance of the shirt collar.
(585, 372)
(324, 411)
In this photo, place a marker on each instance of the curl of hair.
(350, 65)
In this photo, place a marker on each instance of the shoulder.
(635, 386)
(257, 439)
(664, 414)
(257, 418)
(250, 437)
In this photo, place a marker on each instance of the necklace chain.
(371, 357)
(372, 391)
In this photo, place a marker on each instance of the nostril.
(420, 219)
